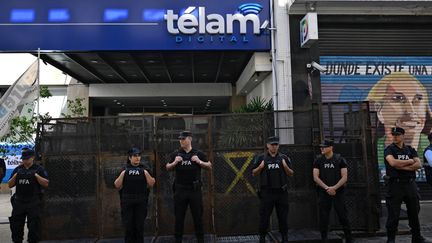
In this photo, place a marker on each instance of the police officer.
(187, 163)
(427, 160)
(330, 173)
(133, 183)
(2, 170)
(29, 178)
(402, 162)
(273, 169)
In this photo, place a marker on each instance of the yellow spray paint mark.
(239, 173)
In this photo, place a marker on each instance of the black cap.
(185, 134)
(27, 153)
(430, 136)
(273, 140)
(397, 131)
(326, 143)
(134, 151)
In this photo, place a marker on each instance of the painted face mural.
(397, 88)
(400, 100)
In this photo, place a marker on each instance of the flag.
(19, 98)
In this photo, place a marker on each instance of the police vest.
(134, 181)
(425, 161)
(187, 171)
(26, 184)
(273, 176)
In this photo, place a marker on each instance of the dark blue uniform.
(426, 165)
(133, 202)
(187, 192)
(273, 191)
(26, 203)
(402, 187)
(330, 174)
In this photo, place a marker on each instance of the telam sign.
(213, 23)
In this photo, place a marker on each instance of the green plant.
(44, 92)
(22, 128)
(246, 130)
(75, 108)
(257, 104)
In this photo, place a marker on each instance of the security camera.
(315, 66)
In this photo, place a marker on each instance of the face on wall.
(401, 100)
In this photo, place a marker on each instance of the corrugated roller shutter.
(375, 41)
(375, 35)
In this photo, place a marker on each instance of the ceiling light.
(110, 75)
(123, 105)
(151, 61)
(208, 100)
(163, 101)
(256, 80)
(122, 61)
(94, 61)
(165, 105)
(115, 101)
(118, 103)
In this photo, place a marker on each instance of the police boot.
(200, 238)
(324, 238)
(178, 239)
(419, 239)
(348, 237)
(284, 238)
(391, 240)
(262, 239)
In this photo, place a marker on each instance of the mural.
(398, 89)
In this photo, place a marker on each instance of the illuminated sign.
(308, 30)
(79, 25)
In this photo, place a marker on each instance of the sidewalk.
(425, 221)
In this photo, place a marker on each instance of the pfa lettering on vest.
(273, 166)
(403, 157)
(23, 182)
(134, 172)
(328, 166)
(186, 162)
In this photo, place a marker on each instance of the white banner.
(22, 92)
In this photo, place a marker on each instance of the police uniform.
(187, 192)
(273, 191)
(26, 202)
(330, 174)
(133, 201)
(401, 187)
(427, 161)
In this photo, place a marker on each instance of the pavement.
(294, 236)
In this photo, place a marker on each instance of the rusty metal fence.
(84, 156)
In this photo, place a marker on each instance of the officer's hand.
(178, 159)
(331, 191)
(195, 159)
(262, 164)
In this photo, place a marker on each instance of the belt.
(402, 180)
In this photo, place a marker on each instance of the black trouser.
(184, 197)
(398, 192)
(134, 213)
(325, 202)
(21, 210)
(268, 200)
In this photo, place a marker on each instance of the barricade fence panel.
(84, 157)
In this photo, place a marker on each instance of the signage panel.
(64, 25)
